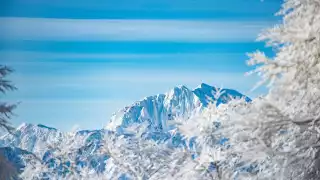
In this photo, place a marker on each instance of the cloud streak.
(16, 56)
(128, 30)
(114, 84)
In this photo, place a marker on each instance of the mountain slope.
(157, 110)
(32, 138)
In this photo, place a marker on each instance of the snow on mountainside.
(153, 111)
(157, 110)
(37, 138)
(32, 138)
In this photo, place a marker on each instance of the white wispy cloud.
(18, 56)
(128, 30)
(29, 56)
(115, 83)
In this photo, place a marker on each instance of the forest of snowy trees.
(276, 136)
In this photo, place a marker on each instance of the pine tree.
(6, 110)
(7, 170)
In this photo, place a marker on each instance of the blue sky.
(78, 61)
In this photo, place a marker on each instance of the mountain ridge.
(179, 101)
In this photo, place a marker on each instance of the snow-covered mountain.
(157, 110)
(153, 112)
(32, 138)
(37, 138)
(32, 143)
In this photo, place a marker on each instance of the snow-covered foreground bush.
(272, 137)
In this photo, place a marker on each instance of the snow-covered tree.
(275, 136)
(293, 102)
(130, 157)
